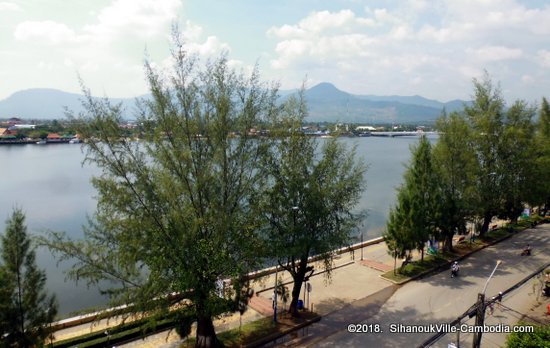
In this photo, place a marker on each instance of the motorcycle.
(454, 271)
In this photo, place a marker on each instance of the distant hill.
(45, 103)
(326, 104)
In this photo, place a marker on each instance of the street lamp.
(480, 314)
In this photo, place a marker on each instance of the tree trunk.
(449, 242)
(297, 287)
(486, 221)
(206, 335)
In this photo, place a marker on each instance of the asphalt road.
(436, 299)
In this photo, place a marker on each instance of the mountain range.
(326, 103)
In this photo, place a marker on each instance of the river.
(53, 188)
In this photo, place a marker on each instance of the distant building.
(53, 138)
(365, 128)
(23, 126)
(7, 132)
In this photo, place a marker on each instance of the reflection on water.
(54, 190)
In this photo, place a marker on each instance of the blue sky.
(430, 48)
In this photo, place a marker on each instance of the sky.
(432, 48)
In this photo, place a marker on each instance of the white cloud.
(44, 32)
(138, 18)
(495, 53)
(319, 22)
(445, 44)
(9, 6)
(211, 47)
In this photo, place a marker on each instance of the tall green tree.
(486, 116)
(541, 192)
(397, 236)
(176, 212)
(313, 189)
(25, 307)
(518, 160)
(456, 167)
(417, 212)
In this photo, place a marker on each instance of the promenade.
(354, 292)
(352, 278)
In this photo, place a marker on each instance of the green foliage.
(176, 212)
(455, 165)
(415, 218)
(539, 338)
(486, 117)
(541, 186)
(519, 175)
(25, 308)
(310, 196)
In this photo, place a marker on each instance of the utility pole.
(480, 318)
(480, 312)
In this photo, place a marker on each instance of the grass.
(253, 331)
(432, 262)
(414, 268)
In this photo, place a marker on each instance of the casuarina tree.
(313, 189)
(25, 307)
(176, 211)
(415, 219)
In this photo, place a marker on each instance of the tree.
(541, 192)
(486, 115)
(538, 338)
(176, 212)
(25, 307)
(397, 237)
(518, 158)
(455, 165)
(308, 204)
(415, 218)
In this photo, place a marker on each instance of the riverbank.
(357, 272)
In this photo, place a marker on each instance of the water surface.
(53, 188)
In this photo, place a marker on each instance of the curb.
(446, 265)
(275, 336)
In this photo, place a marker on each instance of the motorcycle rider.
(454, 269)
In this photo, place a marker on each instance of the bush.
(539, 338)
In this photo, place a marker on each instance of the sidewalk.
(355, 277)
(352, 279)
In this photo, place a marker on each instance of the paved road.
(436, 299)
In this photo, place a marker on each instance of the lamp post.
(480, 313)
(275, 296)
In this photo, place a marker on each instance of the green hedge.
(117, 334)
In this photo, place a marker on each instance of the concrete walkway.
(351, 279)
(354, 284)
